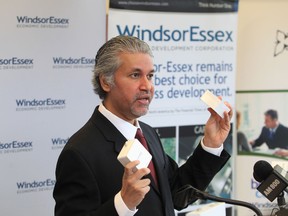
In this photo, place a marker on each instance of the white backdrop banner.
(46, 59)
(194, 47)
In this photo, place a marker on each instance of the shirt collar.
(126, 129)
(274, 129)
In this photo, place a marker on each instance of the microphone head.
(262, 169)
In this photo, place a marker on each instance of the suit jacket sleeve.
(199, 170)
(74, 174)
(201, 167)
(261, 139)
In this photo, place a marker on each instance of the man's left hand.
(217, 128)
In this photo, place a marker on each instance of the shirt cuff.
(214, 151)
(121, 207)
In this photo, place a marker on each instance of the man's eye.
(135, 75)
(150, 76)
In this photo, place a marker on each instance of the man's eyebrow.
(139, 70)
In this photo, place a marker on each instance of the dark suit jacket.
(88, 174)
(280, 138)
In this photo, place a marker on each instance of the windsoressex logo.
(191, 33)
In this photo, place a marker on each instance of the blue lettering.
(193, 33)
(254, 184)
(75, 61)
(34, 103)
(172, 67)
(16, 61)
(15, 145)
(126, 30)
(35, 184)
(59, 141)
(39, 20)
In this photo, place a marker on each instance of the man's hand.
(281, 152)
(217, 128)
(134, 186)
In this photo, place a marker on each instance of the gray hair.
(107, 60)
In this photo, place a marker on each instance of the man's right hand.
(134, 186)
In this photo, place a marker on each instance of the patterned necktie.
(142, 140)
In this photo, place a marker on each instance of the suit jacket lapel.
(110, 132)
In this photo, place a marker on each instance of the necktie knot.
(139, 133)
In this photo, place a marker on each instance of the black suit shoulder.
(282, 128)
(83, 168)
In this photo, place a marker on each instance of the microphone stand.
(187, 194)
(281, 203)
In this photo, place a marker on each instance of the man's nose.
(146, 83)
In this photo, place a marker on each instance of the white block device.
(212, 209)
(215, 103)
(134, 150)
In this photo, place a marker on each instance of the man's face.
(269, 122)
(133, 91)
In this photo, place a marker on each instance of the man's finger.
(131, 168)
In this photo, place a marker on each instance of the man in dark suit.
(274, 134)
(89, 178)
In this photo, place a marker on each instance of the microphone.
(187, 194)
(273, 181)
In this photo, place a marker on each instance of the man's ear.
(105, 86)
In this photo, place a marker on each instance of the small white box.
(215, 103)
(134, 150)
(211, 209)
